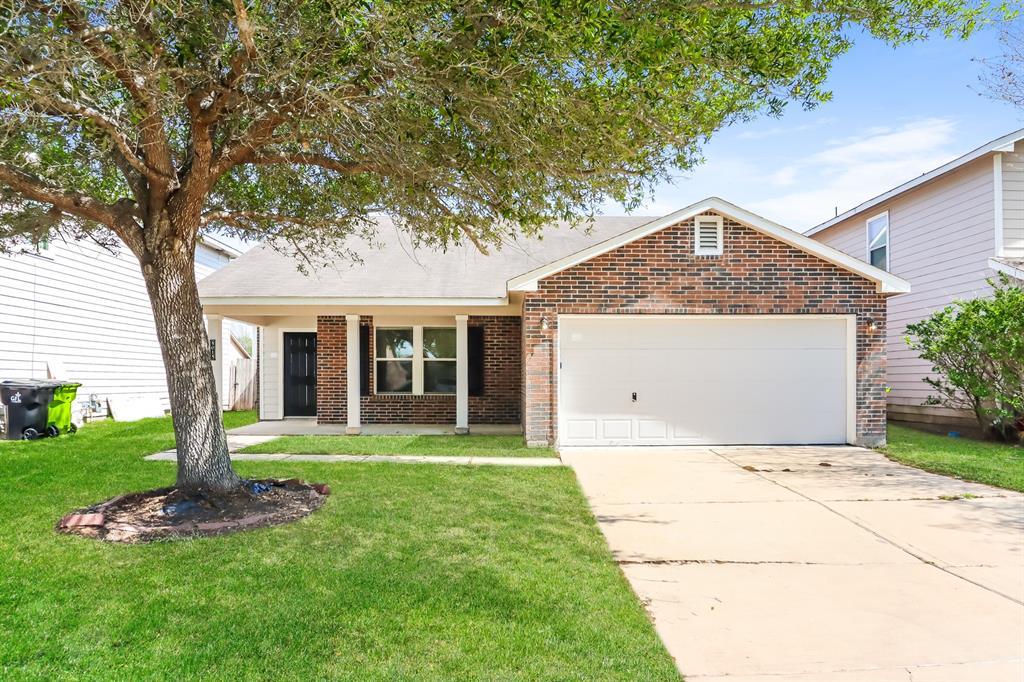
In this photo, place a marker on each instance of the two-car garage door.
(679, 380)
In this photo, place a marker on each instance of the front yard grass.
(996, 464)
(459, 446)
(407, 572)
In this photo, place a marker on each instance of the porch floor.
(308, 427)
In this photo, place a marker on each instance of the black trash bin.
(26, 403)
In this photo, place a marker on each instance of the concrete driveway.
(814, 563)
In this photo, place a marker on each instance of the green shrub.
(976, 348)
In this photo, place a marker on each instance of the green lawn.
(464, 446)
(408, 572)
(972, 460)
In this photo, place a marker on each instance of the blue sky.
(896, 113)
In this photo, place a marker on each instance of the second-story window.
(878, 241)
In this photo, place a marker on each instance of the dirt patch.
(168, 513)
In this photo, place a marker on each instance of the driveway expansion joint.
(877, 534)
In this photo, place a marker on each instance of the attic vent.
(707, 238)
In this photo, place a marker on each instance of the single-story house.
(710, 325)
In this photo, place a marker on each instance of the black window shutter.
(364, 359)
(475, 339)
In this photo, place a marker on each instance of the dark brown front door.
(300, 374)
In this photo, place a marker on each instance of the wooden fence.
(242, 384)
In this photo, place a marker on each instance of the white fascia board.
(320, 301)
(886, 282)
(1002, 144)
(1006, 268)
(218, 245)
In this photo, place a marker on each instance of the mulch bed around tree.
(168, 513)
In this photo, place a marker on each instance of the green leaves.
(977, 349)
(470, 119)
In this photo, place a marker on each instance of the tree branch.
(155, 145)
(247, 220)
(56, 106)
(72, 203)
(306, 159)
(245, 29)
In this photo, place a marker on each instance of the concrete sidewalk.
(170, 456)
(814, 564)
(238, 441)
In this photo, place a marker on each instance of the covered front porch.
(385, 370)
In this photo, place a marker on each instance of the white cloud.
(799, 176)
(853, 170)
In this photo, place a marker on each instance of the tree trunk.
(203, 461)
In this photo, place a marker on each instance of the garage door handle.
(634, 396)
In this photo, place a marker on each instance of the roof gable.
(886, 282)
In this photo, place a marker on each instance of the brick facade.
(660, 274)
(499, 404)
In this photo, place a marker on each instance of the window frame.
(418, 358)
(888, 240)
(377, 359)
(719, 247)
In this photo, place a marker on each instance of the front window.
(878, 241)
(395, 352)
(438, 360)
(415, 360)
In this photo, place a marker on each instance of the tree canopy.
(463, 120)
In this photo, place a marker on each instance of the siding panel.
(84, 311)
(1013, 202)
(941, 236)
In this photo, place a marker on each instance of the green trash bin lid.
(66, 391)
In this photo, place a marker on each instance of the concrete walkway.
(302, 426)
(237, 442)
(169, 456)
(814, 564)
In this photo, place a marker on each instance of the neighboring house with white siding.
(80, 312)
(946, 232)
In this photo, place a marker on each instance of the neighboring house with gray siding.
(80, 312)
(946, 232)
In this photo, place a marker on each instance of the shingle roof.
(397, 270)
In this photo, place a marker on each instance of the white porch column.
(352, 379)
(461, 374)
(215, 333)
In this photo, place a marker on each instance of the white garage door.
(679, 380)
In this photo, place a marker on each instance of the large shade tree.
(153, 121)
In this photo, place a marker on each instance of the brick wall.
(660, 274)
(500, 403)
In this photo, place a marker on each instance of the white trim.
(851, 357)
(717, 249)
(215, 333)
(851, 379)
(321, 301)
(280, 363)
(1006, 268)
(352, 378)
(261, 345)
(1002, 144)
(997, 206)
(217, 245)
(418, 359)
(867, 237)
(461, 374)
(886, 282)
